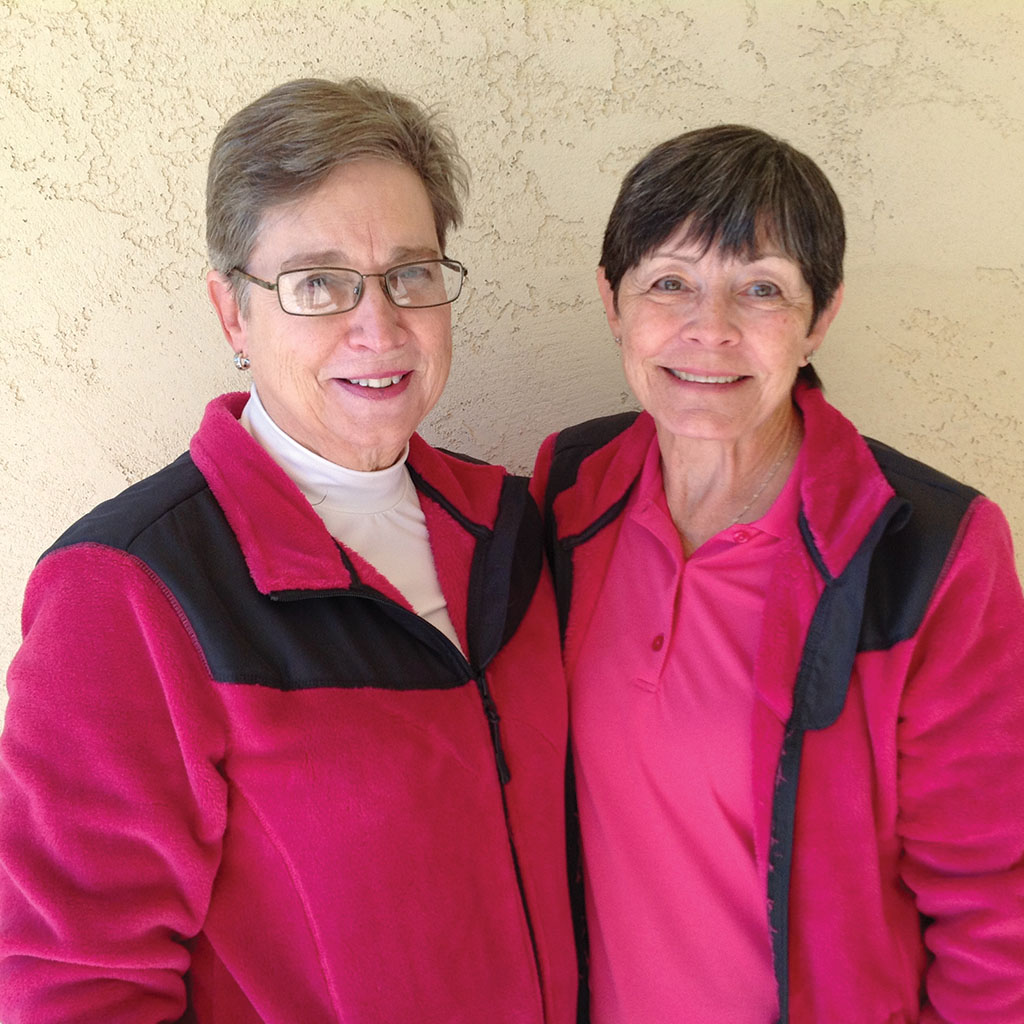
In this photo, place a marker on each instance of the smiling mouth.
(704, 378)
(376, 382)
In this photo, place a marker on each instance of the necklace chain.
(764, 483)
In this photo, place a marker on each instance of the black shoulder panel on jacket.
(572, 446)
(508, 566)
(575, 443)
(172, 522)
(118, 521)
(911, 555)
(463, 457)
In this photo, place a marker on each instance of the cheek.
(440, 366)
(438, 347)
(646, 327)
(290, 367)
(290, 363)
(634, 367)
(644, 339)
(781, 342)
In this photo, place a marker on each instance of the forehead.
(689, 240)
(683, 250)
(368, 210)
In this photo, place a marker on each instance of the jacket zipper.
(504, 776)
(424, 629)
(494, 722)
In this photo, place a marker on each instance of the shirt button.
(741, 536)
(658, 642)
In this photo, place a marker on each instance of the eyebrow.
(337, 258)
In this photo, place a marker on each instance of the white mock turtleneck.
(376, 514)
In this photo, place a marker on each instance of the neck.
(319, 479)
(712, 485)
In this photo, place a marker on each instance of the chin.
(699, 427)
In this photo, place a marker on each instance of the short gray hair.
(283, 146)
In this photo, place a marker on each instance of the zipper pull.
(494, 721)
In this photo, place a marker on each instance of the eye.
(414, 273)
(417, 284)
(668, 285)
(763, 290)
(313, 283)
(314, 291)
(317, 283)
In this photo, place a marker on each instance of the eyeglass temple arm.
(270, 286)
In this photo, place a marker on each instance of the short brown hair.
(286, 143)
(736, 187)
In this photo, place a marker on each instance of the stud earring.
(242, 361)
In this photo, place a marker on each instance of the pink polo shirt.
(662, 703)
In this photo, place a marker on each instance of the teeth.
(376, 382)
(697, 378)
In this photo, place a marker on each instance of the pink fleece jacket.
(242, 783)
(906, 900)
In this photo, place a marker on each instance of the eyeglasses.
(321, 291)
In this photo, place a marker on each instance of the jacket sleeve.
(111, 805)
(961, 780)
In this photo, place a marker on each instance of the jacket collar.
(842, 494)
(605, 477)
(842, 490)
(285, 543)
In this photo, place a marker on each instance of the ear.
(822, 324)
(608, 298)
(225, 302)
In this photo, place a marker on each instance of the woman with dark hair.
(286, 736)
(795, 656)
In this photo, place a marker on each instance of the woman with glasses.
(286, 736)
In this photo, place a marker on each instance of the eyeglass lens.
(320, 290)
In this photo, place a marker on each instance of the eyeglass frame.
(274, 286)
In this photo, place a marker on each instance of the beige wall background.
(108, 351)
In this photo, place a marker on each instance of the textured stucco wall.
(108, 351)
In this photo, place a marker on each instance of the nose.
(374, 322)
(711, 320)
